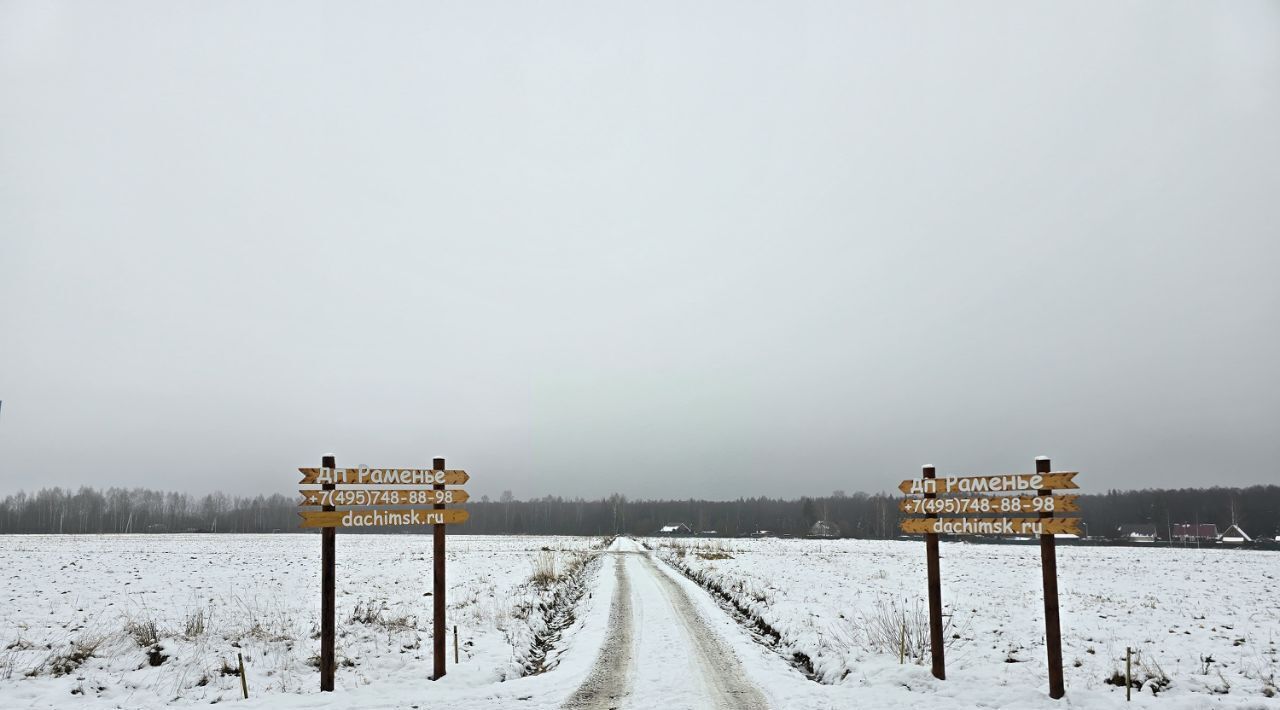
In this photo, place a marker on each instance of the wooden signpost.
(1003, 495)
(403, 505)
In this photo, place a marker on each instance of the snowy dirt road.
(661, 648)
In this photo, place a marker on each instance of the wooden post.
(438, 629)
(244, 682)
(1049, 571)
(328, 566)
(455, 645)
(935, 592)
(1128, 673)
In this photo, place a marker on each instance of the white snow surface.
(260, 597)
(1175, 607)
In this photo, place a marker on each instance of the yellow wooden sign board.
(1003, 505)
(992, 526)
(380, 517)
(384, 476)
(384, 496)
(1010, 483)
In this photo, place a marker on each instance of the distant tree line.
(117, 510)
(1255, 509)
(138, 510)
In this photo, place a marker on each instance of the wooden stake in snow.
(455, 645)
(244, 682)
(1128, 673)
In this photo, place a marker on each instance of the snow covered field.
(1205, 624)
(82, 615)
(84, 618)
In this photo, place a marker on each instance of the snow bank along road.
(660, 649)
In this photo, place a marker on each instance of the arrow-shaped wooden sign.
(380, 517)
(384, 496)
(384, 476)
(992, 526)
(990, 504)
(1010, 483)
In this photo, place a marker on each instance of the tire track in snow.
(608, 682)
(719, 666)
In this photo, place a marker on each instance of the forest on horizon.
(1256, 509)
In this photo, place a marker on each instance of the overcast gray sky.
(669, 249)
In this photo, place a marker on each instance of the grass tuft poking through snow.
(69, 659)
(544, 568)
(194, 624)
(900, 629)
(143, 632)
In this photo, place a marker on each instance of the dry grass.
(544, 569)
(376, 613)
(703, 549)
(60, 663)
(260, 619)
(144, 632)
(195, 623)
(900, 629)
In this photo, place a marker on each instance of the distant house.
(707, 533)
(675, 529)
(1187, 532)
(1234, 535)
(764, 533)
(824, 530)
(1137, 533)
